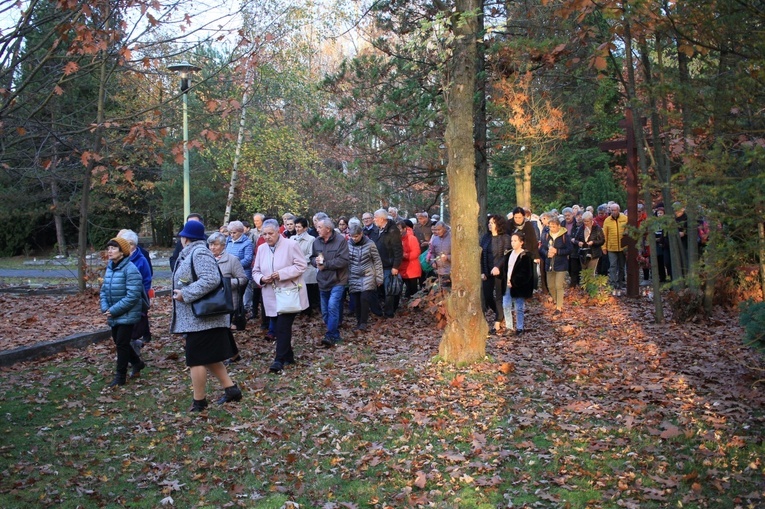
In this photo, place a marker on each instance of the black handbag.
(216, 302)
(239, 318)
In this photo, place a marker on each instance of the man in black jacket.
(388, 242)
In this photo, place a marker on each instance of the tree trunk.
(691, 210)
(479, 128)
(82, 237)
(57, 220)
(464, 338)
(238, 152)
(526, 198)
(761, 235)
(658, 308)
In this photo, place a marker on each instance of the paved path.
(159, 273)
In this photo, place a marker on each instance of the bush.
(752, 318)
(596, 287)
(686, 304)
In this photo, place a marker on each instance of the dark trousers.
(487, 289)
(125, 353)
(574, 270)
(603, 266)
(391, 301)
(361, 303)
(283, 325)
(411, 286)
(314, 300)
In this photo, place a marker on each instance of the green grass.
(372, 423)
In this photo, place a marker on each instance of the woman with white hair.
(590, 239)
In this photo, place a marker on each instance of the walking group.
(275, 272)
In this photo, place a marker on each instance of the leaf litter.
(563, 403)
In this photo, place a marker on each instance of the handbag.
(426, 267)
(287, 299)
(239, 318)
(394, 285)
(218, 301)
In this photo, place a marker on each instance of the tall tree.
(464, 338)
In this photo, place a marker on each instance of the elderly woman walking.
(279, 265)
(209, 341)
(230, 267)
(121, 303)
(365, 273)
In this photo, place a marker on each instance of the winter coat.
(613, 230)
(530, 239)
(289, 261)
(522, 276)
(423, 234)
(305, 241)
(441, 246)
(208, 278)
(231, 267)
(562, 243)
(495, 249)
(410, 267)
(122, 293)
(365, 267)
(334, 272)
(596, 236)
(388, 242)
(242, 249)
(140, 262)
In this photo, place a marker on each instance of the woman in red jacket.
(410, 268)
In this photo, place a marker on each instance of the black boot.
(198, 405)
(231, 394)
(137, 367)
(119, 379)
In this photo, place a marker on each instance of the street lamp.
(185, 69)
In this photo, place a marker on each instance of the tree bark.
(464, 338)
(479, 128)
(237, 154)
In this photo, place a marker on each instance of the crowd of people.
(278, 271)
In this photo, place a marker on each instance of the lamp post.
(185, 69)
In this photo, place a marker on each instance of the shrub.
(752, 318)
(595, 286)
(686, 304)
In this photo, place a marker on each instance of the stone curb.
(29, 353)
(36, 351)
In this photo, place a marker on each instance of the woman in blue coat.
(121, 304)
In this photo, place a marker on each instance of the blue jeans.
(332, 310)
(508, 303)
(617, 259)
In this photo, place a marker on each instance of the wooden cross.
(628, 144)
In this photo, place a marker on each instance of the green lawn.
(568, 416)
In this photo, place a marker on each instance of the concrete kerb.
(36, 351)
(30, 353)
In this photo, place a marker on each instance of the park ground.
(600, 408)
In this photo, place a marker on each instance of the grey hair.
(258, 214)
(381, 213)
(587, 215)
(602, 208)
(567, 210)
(320, 216)
(354, 220)
(289, 216)
(327, 223)
(130, 236)
(554, 219)
(614, 204)
(354, 228)
(441, 223)
(270, 223)
(236, 226)
(217, 238)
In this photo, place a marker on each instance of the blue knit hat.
(193, 230)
